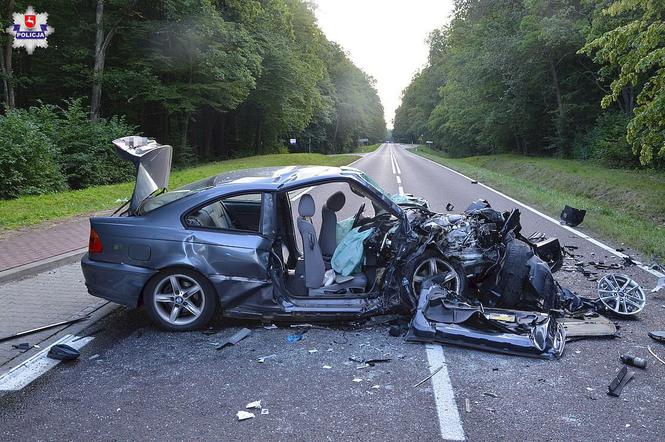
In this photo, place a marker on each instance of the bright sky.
(385, 38)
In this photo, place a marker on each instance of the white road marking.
(32, 368)
(394, 162)
(450, 423)
(549, 218)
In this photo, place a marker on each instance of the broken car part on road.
(230, 242)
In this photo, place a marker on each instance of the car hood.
(153, 166)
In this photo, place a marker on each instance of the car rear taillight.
(95, 243)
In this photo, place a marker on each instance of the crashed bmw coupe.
(277, 244)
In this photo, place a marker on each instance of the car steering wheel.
(356, 218)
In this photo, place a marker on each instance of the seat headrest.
(306, 207)
(336, 201)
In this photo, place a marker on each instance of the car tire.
(421, 269)
(180, 299)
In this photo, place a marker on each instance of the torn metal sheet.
(588, 327)
(233, 340)
(619, 382)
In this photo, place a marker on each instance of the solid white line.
(32, 368)
(392, 156)
(399, 180)
(549, 218)
(400, 190)
(450, 423)
(392, 162)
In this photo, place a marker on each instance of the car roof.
(282, 177)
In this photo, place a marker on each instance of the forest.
(216, 79)
(580, 79)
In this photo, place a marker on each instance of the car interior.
(309, 237)
(240, 212)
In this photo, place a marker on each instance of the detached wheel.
(180, 300)
(431, 264)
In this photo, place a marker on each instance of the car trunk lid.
(153, 166)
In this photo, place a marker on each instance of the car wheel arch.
(174, 268)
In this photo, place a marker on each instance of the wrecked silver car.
(276, 244)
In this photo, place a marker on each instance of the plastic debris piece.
(327, 367)
(357, 380)
(93, 357)
(24, 346)
(295, 337)
(655, 355)
(616, 386)
(313, 350)
(467, 405)
(233, 340)
(449, 207)
(634, 361)
(265, 411)
(244, 415)
(262, 359)
(657, 335)
(63, 352)
(255, 404)
(375, 387)
(490, 394)
(659, 284)
(572, 217)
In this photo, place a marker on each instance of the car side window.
(238, 212)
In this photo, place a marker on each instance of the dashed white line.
(450, 423)
(549, 218)
(30, 369)
(399, 180)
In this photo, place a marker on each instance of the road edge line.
(450, 423)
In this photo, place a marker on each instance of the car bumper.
(117, 282)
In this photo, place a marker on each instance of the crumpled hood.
(153, 166)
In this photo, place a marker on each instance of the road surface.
(135, 382)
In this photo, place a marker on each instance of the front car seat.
(328, 234)
(313, 258)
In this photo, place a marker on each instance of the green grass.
(366, 149)
(623, 206)
(31, 210)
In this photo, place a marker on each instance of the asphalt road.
(135, 382)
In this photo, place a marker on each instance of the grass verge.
(31, 210)
(366, 149)
(624, 206)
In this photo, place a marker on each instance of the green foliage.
(606, 142)
(636, 51)
(28, 164)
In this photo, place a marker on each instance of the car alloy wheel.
(178, 299)
(432, 266)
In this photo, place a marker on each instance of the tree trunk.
(559, 126)
(4, 77)
(7, 66)
(96, 97)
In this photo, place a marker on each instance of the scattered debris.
(616, 386)
(587, 327)
(657, 335)
(467, 405)
(265, 411)
(255, 404)
(655, 355)
(572, 217)
(23, 346)
(659, 284)
(244, 415)
(369, 362)
(93, 357)
(327, 367)
(233, 340)
(262, 359)
(211, 331)
(375, 387)
(490, 394)
(313, 350)
(428, 377)
(385, 319)
(295, 337)
(634, 361)
(63, 352)
(45, 327)
(450, 207)
(357, 380)
(474, 182)
(270, 327)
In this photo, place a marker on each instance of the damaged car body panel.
(245, 242)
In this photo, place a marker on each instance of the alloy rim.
(435, 266)
(621, 294)
(178, 299)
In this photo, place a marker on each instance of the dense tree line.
(214, 78)
(573, 78)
